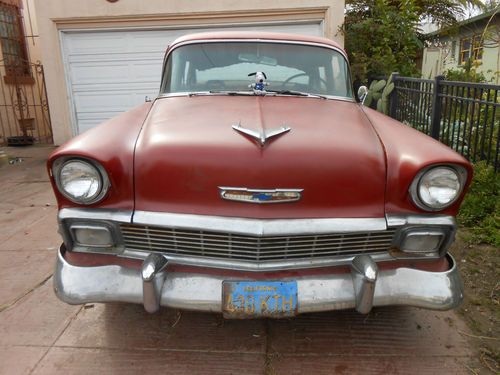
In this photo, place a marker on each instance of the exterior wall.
(56, 15)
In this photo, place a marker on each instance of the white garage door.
(109, 72)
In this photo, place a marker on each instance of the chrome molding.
(263, 136)
(95, 214)
(253, 266)
(259, 227)
(398, 220)
(202, 292)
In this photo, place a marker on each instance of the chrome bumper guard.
(153, 287)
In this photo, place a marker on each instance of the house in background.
(24, 114)
(475, 39)
(103, 57)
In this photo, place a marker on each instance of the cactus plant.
(380, 92)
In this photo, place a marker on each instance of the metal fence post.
(394, 97)
(436, 108)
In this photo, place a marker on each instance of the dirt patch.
(480, 269)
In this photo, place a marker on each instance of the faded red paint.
(111, 144)
(408, 151)
(188, 148)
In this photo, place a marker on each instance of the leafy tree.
(381, 36)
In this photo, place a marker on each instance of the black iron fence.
(465, 116)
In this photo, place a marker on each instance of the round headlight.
(437, 188)
(81, 182)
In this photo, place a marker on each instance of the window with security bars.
(15, 54)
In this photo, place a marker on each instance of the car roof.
(235, 35)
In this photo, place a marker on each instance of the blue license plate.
(259, 299)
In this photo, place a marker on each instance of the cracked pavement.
(41, 335)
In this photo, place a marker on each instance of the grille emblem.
(260, 196)
(263, 136)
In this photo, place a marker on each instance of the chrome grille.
(218, 245)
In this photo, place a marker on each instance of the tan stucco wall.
(56, 15)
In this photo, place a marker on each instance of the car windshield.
(225, 66)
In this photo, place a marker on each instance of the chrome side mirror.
(362, 93)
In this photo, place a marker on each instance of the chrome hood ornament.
(240, 194)
(264, 135)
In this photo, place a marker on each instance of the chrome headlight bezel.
(60, 163)
(461, 174)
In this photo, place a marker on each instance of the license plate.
(259, 299)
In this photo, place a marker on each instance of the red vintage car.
(257, 185)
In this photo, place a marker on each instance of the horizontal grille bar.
(171, 241)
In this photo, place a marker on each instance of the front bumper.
(362, 289)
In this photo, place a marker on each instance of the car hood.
(188, 149)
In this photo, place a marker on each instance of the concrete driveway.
(41, 335)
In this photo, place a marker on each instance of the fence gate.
(24, 109)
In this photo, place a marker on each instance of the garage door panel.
(109, 72)
(105, 101)
(95, 43)
(114, 57)
(99, 73)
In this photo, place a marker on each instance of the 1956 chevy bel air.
(257, 185)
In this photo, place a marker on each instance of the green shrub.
(466, 73)
(480, 211)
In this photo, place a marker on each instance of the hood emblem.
(264, 135)
(260, 196)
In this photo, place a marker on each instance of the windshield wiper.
(252, 93)
(297, 93)
(221, 92)
(234, 93)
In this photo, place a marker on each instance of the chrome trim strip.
(252, 266)
(201, 292)
(398, 220)
(95, 214)
(259, 227)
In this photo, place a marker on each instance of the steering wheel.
(287, 81)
